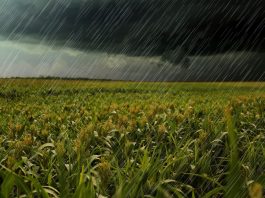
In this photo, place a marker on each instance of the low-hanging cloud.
(30, 60)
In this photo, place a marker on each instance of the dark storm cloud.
(139, 27)
(175, 40)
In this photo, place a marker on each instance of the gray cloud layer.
(24, 60)
(222, 40)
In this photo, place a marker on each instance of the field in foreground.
(117, 139)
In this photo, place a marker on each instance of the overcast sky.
(133, 39)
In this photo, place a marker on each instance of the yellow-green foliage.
(127, 139)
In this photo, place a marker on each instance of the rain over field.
(132, 98)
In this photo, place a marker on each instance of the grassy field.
(72, 138)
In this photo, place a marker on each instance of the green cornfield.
(77, 138)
